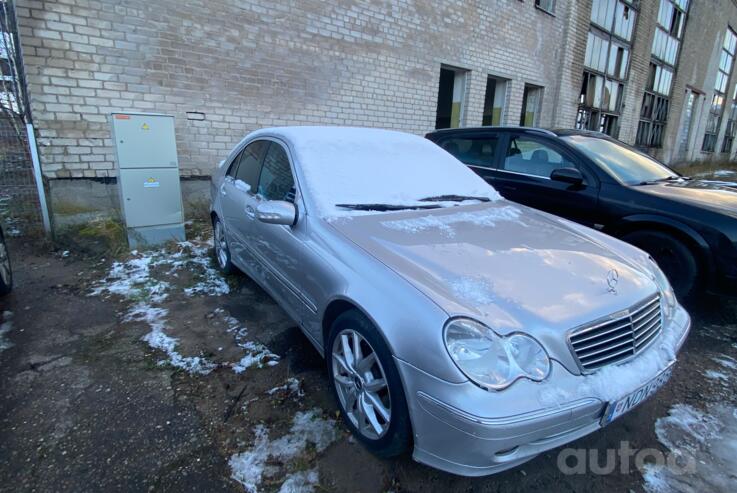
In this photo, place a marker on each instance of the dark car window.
(626, 164)
(533, 157)
(276, 182)
(248, 167)
(477, 151)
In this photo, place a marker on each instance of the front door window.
(531, 157)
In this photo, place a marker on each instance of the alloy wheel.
(361, 385)
(221, 245)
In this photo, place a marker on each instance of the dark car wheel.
(6, 273)
(367, 386)
(673, 257)
(222, 252)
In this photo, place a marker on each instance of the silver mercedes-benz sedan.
(475, 330)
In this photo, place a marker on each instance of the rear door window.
(476, 151)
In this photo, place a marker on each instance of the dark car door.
(523, 174)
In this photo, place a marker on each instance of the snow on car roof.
(347, 165)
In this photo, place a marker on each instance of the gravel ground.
(158, 374)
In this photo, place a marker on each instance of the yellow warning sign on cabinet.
(145, 126)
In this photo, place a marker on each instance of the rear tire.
(672, 256)
(6, 272)
(368, 389)
(222, 251)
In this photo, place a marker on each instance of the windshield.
(626, 164)
(351, 170)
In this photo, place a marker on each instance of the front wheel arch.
(688, 236)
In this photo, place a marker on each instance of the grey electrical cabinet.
(148, 177)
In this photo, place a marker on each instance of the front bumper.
(465, 430)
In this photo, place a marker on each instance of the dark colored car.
(688, 226)
(6, 273)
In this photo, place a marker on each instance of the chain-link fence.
(20, 210)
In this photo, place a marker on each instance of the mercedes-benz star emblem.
(612, 278)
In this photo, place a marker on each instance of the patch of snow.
(292, 387)
(5, 327)
(704, 446)
(475, 291)
(341, 165)
(444, 222)
(716, 375)
(725, 172)
(249, 467)
(726, 362)
(132, 279)
(256, 355)
(300, 482)
(156, 318)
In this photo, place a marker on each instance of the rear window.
(478, 151)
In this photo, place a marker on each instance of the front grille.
(618, 338)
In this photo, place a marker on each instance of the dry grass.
(99, 237)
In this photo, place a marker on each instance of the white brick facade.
(247, 64)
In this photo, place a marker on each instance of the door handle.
(250, 211)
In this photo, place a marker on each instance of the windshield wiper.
(385, 207)
(454, 198)
(660, 180)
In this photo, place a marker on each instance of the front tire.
(672, 256)
(367, 386)
(222, 252)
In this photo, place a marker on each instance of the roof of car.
(559, 132)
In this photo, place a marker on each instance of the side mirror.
(277, 212)
(242, 186)
(567, 175)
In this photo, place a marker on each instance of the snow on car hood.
(507, 265)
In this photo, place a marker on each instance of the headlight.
(668, 297)
(492, 361)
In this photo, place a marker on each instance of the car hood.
(701, 193)
(507, 265)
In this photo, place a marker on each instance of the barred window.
(726, 62)
(663, 62)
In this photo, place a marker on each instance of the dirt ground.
(162, 376)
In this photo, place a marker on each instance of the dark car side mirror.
(567, 175)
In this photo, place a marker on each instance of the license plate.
(625, 404)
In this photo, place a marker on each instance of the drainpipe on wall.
(39, 177)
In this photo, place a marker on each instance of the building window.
(546, 5)
(496, 92)
(531, 100)
(606, 65)
(729, 132)
(726, 61)
(451, 97)
(663, 63)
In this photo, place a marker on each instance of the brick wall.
(247, 64)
